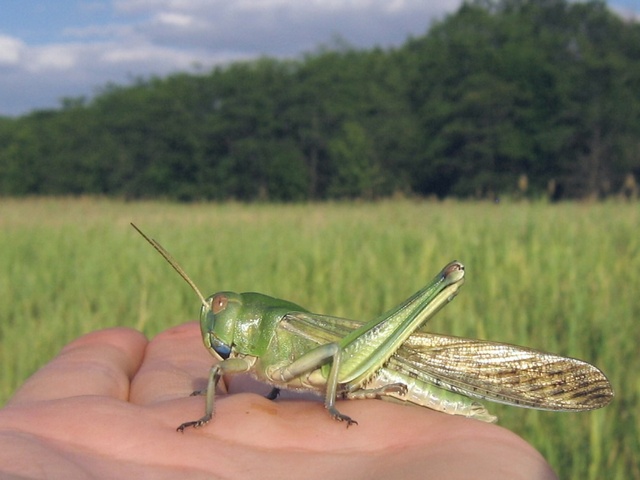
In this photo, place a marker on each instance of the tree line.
(509, 97)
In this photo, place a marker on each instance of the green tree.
(357, 171)
(498, 91)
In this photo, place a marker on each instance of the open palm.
(109, 404)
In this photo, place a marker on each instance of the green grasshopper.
(390, 357)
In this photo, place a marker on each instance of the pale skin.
(108, 406)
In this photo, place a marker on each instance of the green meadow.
(562, 278)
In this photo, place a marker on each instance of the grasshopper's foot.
(195, 393)
(273, 394)
(335, 414)
(194, 424)
(399, 388)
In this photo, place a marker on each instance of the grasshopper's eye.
(219, 303)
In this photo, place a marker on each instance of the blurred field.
(563, 278)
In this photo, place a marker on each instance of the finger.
(176, 363)
(99, 363)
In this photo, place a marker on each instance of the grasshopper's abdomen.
(428, 395)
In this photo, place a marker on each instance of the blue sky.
(50, 49)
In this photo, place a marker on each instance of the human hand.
(108, 406)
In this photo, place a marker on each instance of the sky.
(52, 49)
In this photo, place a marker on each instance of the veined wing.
(482, 369)
(503, 373)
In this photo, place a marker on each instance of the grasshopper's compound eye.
(219, 303)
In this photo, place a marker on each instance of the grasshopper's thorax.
(241, 323)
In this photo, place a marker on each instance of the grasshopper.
(390, 357)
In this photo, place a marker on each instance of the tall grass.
(562, 278)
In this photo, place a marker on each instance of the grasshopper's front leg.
(228, 366)
(313, 360)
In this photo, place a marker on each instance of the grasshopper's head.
(218, 313)
(218, 317)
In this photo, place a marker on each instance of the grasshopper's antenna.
(167, 256)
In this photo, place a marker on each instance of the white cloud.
(11, 50)
(175, 19)
(53, 57)
(285, 27)
(141, 6)
(148, 57)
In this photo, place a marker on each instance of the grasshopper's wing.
(318, 328)
(503, 373)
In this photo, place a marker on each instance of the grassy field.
(562, 278)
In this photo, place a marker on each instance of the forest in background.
(525, 98)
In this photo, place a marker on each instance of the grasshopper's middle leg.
(273, 394)
(311, 361)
